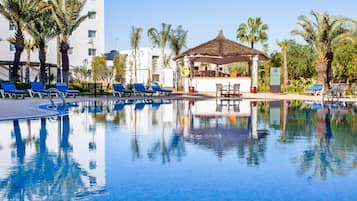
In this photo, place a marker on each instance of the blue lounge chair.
(139, 87)
(120, 90)
(39, 89)
(9, 88)
(62, 87)
(139, 106)
(156, 87)
(314, 89)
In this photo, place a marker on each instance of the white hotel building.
(149, 66)
(87, 41)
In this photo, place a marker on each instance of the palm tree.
(135, 38)
(178, 39)
(160, 38)
(284, 48)
(42, 29)
(67, 14)
(18, 13)
(321, 33)
(30, 45)
(253, 31)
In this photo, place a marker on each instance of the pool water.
(183, 150)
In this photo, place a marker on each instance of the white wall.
(144, 65)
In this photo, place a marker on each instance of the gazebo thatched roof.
(221, 51)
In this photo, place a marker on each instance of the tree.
(321, 33)
(300, 60)
(80, 73)
(67, 14)
(178, 39)
(253, 31)
(160, 38)
(19, 13)
(135, 38)
(42, 29)
(345, 61)
(30, 45)
(120, 66)
(100, 71)
(284, 48)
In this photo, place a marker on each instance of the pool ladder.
(58, 94)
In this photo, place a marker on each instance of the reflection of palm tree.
(322, 157)
(20, 145)
(284, 121)
(49, 176)
(65, 133)
(176, 148)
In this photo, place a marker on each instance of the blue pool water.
(183, 150)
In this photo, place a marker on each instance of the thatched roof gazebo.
(222, 51)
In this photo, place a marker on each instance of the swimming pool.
(182, 150)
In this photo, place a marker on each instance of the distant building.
(149, 67)
(87, 41)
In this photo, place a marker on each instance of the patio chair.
(236, 90)
(9, 88)
(219, 89)
(121, 90)
(63, 88)
(156, 87)
(139, 87)
(39, 89)
(314, 89)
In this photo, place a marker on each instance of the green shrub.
(22, 85)
(77, 86)
(298, 86)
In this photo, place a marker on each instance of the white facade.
(149, 66)
(88, 38)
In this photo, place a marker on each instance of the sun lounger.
(9, 88)
(314, 89)
(139, 87)
(62, 87)
(40, 90)
(120, 90)
(156, 87)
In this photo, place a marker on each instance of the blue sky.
(204, 18)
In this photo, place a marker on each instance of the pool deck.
(29, 107)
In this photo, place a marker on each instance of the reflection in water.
(44, 175)
(325, 157)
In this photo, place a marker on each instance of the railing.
(58, 93)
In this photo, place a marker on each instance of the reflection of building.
(47, 153)
(209, 126)
(149, 66)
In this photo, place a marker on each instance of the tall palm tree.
(67, 14)
(321, 33)
(284, 48)
(160, 38)
(18, 13)
(178, 39)
(30, 45)
(135, 38)
(253, 31)
(42, 29)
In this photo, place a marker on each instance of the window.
(92, 15)
(91, 33)
(154, 62)
(12, 47)
(70, 50)
(11, 27)
(92, 51)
